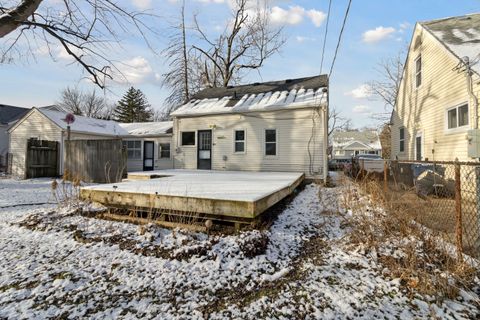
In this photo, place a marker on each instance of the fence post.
(385, 177)
(458, 212)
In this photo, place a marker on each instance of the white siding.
(294, 130)
(160, 164)
(423, 110)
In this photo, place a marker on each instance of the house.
(8, 116)
(270, 126)
(347, 144)
(46, 124)
(148, 145)
(436, 111)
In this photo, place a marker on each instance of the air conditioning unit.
(473, 138)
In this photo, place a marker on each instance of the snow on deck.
(217, 185)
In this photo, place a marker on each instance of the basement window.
(457, 117)
(164, 150)
(402, 139)
(239, 141)
(188, 138)
(270, 142)
(134, 149)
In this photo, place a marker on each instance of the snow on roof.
(267, 96)
(369, 138)
(461, 35)
(148, 128)
(85, 124)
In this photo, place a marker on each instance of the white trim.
(400, 139)
(457, 129)
(422, 146)
(141, 148)
(265, 143)
(419, 57)
(159, 153)
(244, 141)
(194, 145)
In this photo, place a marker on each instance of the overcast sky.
(375, 29)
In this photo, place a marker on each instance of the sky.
(375, 30)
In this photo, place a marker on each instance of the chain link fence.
(442, 196)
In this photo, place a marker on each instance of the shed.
(47, 131)
(148, 145)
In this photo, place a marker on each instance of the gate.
(42, 158)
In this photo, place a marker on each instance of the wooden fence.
(42, 158)
(99, 161)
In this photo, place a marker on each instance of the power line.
(325, 36)
(340, 38)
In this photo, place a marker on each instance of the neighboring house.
(148, 145)
(347, 144)
(436, 111)
(271, 126)
(47, 124)
(8, 116)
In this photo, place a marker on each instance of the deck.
(217, 195)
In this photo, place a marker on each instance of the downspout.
(472, 95)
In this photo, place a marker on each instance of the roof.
(148, 128)
(342, 139)
(266, 96)
(9, 114)
(85, 124)
(461, 35)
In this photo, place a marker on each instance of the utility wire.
(325, 36)
(340, 38)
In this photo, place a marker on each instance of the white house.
(148, 145)
(347, 144)
(47, 124)
(8, 116)
(270, 126)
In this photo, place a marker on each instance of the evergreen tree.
(133, 107)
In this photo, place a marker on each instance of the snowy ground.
(59, 263)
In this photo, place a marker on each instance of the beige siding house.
(47, 124)
(148, 145)
(436, 111)
(347, 144)
(272, 126)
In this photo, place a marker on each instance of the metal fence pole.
(458, 212)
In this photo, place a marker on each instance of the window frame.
(125, 144)
(235, 141)
(418, 72)
(160, 150)
(401, 141)
(457, 128)
(265, 143)
(194, 139)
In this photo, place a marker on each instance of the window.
(457, 117)
(164, 150)
(239, 141)
(188, 138)
(134, 149)
(402, 139)
(418, 72)
(270, 142)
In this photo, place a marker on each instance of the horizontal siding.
(294, 129)
(160, 164)
(423, 110)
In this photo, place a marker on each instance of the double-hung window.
(134, 149)
(402, 139)
(418, 71)
(270, 142)
(457, 117)
(239, 146)
(164, 150)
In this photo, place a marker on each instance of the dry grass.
(383, 222)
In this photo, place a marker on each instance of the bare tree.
(337, 122)
(247, 41)
(84, 104)
(85, 29)
(386, 87)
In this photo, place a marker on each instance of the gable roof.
(460, 35)
(85, 124)
(148, 128)
(266, 96)
(9, 114)
(343, 139)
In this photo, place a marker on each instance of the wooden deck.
(216, 195)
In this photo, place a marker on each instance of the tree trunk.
(12, 19)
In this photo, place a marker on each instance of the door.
(204, 147)
(148, 156)
(418, 148)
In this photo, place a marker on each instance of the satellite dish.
(69, 118)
